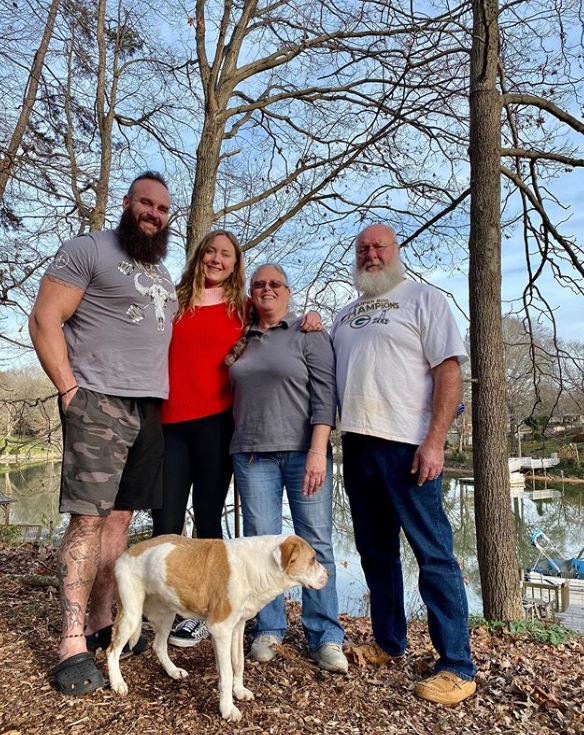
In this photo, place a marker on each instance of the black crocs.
(76, 675)
(103, 637)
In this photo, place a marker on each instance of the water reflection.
(560, 513)
(35, 490)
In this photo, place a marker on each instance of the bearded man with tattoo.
(101, 326)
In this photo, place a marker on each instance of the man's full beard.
(377, 282)
(138, 245)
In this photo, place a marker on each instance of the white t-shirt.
(386, 348)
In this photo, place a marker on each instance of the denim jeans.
(261, 478)
(385, 498)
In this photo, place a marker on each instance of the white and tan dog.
(222, 582)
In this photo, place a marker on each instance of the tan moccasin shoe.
(445, 688)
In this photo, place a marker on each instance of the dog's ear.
(287, 552)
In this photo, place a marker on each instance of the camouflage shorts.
(112, 454)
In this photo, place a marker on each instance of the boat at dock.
(551, 562)
(555, 583)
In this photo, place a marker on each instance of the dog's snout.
(323, 577)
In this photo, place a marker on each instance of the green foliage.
(458, 457)
(539, 447)
(538, 630)
(136, 538)
(569, 468)
(10, 535)
(475, 620)
(20, 445)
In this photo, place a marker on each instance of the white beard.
(376, 282)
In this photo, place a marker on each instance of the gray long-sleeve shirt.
(283, 384)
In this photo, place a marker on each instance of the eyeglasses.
(364, 249)
(274, 285)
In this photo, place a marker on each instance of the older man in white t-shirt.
(399, 383)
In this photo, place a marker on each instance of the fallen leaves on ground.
(523, 686)
(367, 654)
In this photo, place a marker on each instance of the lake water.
(558, 512)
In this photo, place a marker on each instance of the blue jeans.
(261, 478)
(385, 498)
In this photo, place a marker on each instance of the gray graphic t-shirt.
(118, 337)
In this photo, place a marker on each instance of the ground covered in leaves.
(523, 686)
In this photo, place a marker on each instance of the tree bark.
(9, 157)
(105, 119)
(201, 211)
(496, 543)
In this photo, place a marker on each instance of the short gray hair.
(275, 266)
(376, 224)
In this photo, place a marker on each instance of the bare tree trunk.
(105, 119)
(495, 530)
(7, 162)
(83, 212)
(201, 211)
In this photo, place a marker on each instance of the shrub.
(539, 630)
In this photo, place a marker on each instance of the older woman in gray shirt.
(284, 408)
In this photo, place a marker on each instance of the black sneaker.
(188, 632)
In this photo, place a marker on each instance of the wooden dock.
(572, 617)
(564, 598)
(573, 614)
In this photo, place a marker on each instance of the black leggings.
(195, 453)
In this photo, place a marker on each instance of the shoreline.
(556, 479)
(9, 464)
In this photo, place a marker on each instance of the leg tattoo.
(78, 563)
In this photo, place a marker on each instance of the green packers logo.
(360, 321)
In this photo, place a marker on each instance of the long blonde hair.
(190, 288)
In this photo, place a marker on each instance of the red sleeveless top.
(199, 379)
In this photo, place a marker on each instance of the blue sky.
(568, 306)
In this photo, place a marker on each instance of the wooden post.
(564, 596)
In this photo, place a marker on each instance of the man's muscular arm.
(429, 457)
(55, 303)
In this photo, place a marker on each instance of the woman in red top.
(197, 419)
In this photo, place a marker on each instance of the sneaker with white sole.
(188, 633)
(330, 657)
(262, 647)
